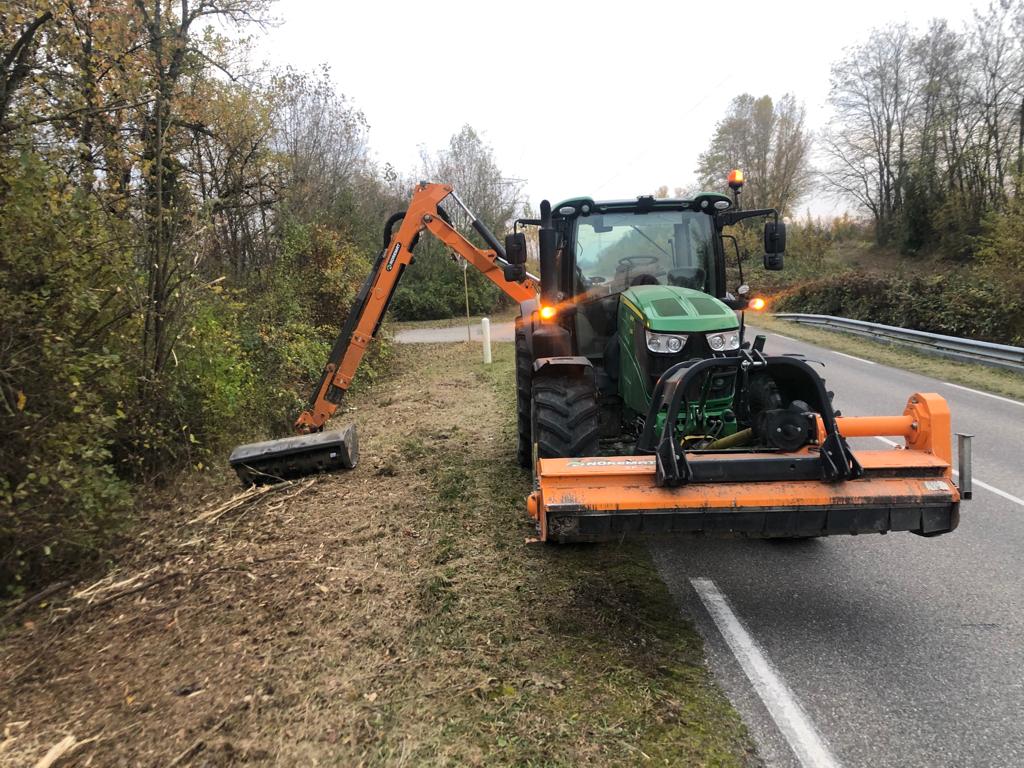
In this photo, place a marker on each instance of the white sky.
(578, 98)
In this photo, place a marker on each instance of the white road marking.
(808, 746)
(787, 338)
(993, 489)
(986, 394)
(974, 480)
(858, 359)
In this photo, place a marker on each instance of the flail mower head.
(273, 461)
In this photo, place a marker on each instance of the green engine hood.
(671, 309)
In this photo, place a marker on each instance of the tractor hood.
(671, 309)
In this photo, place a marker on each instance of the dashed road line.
(996, 491)
(808, 746)
(986, 394)
(858, 359)
(974, 480)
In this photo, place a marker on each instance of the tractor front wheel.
(566, 418)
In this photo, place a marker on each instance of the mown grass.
(392, 615)
(976, 376)
(588, 659)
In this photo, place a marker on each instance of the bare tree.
(468, 164)
(322, 138)
(875, 94)
(770, 142)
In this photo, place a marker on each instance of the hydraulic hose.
(742, 437)
(389, 225)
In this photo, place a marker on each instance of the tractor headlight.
(665, 343)
(724, 341)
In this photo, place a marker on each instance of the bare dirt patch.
(387, 616)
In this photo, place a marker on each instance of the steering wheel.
(639, 261)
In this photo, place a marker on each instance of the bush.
(63, 384)
(84, 420)
(964, 303)
(432, 288)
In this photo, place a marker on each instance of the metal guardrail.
(968, 350)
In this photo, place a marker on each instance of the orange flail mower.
(642, 406)
(906, 489)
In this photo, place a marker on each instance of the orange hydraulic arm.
(372, 301)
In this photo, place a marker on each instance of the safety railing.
(968, 350)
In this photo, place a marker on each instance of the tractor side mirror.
(515, 248)
(774, 245)
(775, 237)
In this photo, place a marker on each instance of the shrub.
(964, 303)
(62, 376)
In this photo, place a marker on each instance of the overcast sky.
(577, 98)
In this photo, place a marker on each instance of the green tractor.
(641, 407)
(629, 289)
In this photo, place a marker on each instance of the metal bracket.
(963, 450)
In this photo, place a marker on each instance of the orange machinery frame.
(423, 214)
(917, 474)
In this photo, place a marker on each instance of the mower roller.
(642, 409)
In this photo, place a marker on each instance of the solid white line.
(858, 359)
(810, 749)
(974, 480)
(986, 394)
(996, 491)
(787, 338)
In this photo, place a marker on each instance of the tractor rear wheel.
(566, 417)
(524, 387)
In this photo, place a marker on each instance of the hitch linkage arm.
(835, 461)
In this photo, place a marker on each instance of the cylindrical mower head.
(273, 461)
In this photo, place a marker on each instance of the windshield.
(619, 250)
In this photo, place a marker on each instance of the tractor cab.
(646, 282)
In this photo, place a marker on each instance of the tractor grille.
(696, 347)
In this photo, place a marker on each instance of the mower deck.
(601, 498)
(273, 461)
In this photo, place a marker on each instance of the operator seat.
(687, 277)
(644, 278)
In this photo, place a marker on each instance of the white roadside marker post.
(485, 329)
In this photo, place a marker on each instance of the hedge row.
(958, 303)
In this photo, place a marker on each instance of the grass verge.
(976, 376)
(387, 616)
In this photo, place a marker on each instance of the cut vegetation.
(392, 615)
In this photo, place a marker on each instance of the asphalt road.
(499, 332)
(899, 650)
